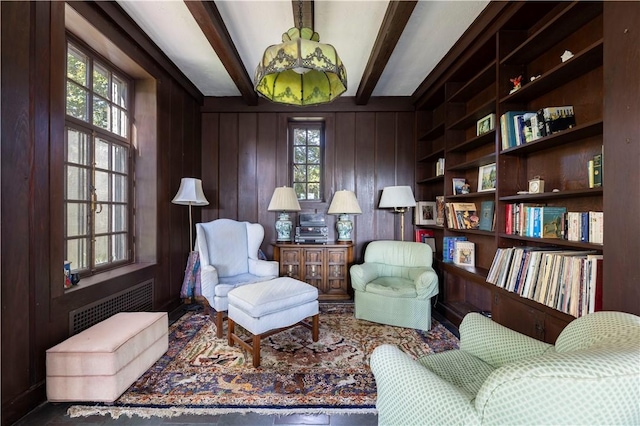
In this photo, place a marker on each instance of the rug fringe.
(148, 412)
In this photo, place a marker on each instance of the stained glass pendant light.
(300, 70)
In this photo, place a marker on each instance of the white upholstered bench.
(101, 362)
(269, 307)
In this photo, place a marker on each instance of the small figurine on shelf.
(566, 55)
(465, 188)
(517, 83)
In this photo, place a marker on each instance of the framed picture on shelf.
(487, 178)
(485, 124)
(460, 186)
(425, 212)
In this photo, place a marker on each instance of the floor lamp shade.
(190, 194)
(284, 200)
(344, 203)
(398, 198)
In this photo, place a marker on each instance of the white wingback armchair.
(228, 259)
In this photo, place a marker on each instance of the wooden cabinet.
(526, 39)
(324, 266)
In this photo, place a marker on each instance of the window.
(98, 169)
(307, 153)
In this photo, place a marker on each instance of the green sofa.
(395, 284)
(499, 376)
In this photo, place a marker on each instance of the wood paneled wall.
(34, 310)
(244, 158)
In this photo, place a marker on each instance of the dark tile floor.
(55, 414)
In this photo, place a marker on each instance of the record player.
(312, 229)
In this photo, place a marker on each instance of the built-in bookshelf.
(527, 41)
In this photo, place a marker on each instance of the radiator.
(138, 298)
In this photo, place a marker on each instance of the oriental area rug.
(202, 375)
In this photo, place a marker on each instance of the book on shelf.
(420, 234)
(440, 218)
(507, 128)
(464, 253)
(487, 215)
(465, 215)
(567, 280)
(590, 173)
(431, 242)
(596, 227)
(500, 266)
(440, 167)
(557, 119)
(553, 221)
(448, 247)
(597, 170)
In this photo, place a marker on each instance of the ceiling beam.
(210, 21)
(393, 24)
(307, 13)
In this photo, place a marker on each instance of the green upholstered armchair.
(395, 284)
(499, 376)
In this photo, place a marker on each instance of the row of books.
(459, 251)
(466, 216)
(569, 281)
(540, 221)
(520, 127)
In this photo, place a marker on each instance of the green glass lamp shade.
(301, 70)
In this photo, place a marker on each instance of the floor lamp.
(190, 194)
(397, 198)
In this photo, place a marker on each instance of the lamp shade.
(190, 193)
(344, 202)
(300, 70)
(397, 197)
(284, 199)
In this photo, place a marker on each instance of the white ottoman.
(101, 362)
(269, 307)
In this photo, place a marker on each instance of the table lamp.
(284, 200)
(343, 204)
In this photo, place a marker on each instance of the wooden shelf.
(481, 81)
(559, 27)
(433, 179)
(435, 132)
(572, 135)
(581, 63)
(476, 142)
(472, 118)
(554, 195)
(434, 155)
(474, 164)
(555, 242)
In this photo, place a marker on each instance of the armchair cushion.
(498, 376)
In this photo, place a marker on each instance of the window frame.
(315, 125)
(94, 132)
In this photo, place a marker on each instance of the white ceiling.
(351, 26)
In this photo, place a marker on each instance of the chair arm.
(496, 344)
(410, 394)
(426, 283)
(362, 274)
(600, 386)
(208, 282)
(263, 268)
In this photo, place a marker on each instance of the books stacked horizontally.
(541, 221)
(520, 127)
(569, 281)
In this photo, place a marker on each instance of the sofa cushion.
(392, 287)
